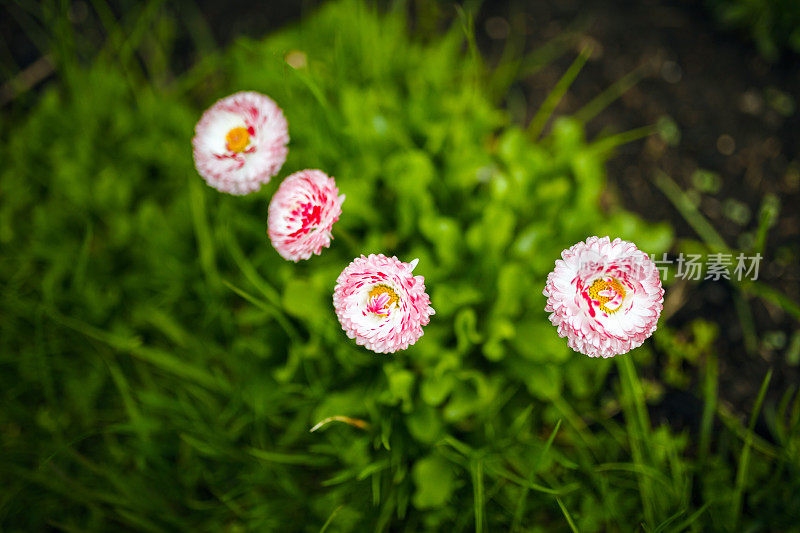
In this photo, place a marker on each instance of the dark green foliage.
(161, 365)
(774, 25)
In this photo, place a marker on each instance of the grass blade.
(604, 99)
(767, 293)
(251, 273)
(710, 384)
(330, 519)
(638, 424)
(696, 220)
(202, 231)
(476, 468)
(663, 525)
(522, 482)
(271, 310)
(746, 320)
(520, 508)
(157, 357)
(556, 94)
(744, 459)
(683, 526)
(612, 141)
(570, 521)
(288, 458)
(767, 217)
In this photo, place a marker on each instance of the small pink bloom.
(604, 296)
(302, 213)
(240, 142)
(381, 304)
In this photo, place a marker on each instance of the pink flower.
(240, 142)
(605, 297)
(381, 304)
(302, 213)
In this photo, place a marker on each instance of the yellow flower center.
(377, 290)
(601, 285)
(237, 139)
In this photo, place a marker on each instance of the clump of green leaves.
(162, 365)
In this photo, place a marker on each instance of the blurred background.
(161, 365)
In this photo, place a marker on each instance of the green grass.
(161, 366)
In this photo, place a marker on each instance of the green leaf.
(302, 299)
(434, 390)
(544, 382)
(537, 340)
(434, 481)
(425, 424)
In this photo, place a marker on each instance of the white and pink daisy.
(381, 304)
(302, 213)
(240, 142)
(605, 297)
